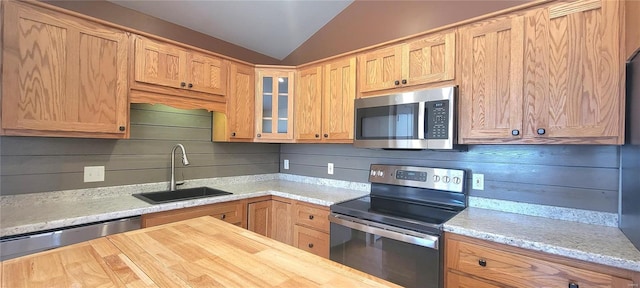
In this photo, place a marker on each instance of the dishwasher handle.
(395, 233)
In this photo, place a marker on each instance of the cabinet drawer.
(312, 241)
(231, 212)
(312, 216)
(459, 281)
(519, 270)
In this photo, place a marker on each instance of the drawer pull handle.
(224, 216)
(310, 217)
(310, 245)
(482, 262)
(573, 285)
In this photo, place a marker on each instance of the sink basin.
(179, 195)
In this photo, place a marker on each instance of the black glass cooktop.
(405, 214)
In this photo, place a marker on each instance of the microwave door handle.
(421, 120)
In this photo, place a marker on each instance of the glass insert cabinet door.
(274, 104)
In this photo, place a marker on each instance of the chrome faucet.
(185, 162)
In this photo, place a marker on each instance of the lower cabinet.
(232, 212)
(311, 230)
(477, 263)
(270, 217)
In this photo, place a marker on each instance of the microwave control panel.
(437, 114)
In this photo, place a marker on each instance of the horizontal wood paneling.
(583, 177)
(37, 164)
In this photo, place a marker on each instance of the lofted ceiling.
(273, 28)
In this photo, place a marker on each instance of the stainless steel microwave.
(424, 119)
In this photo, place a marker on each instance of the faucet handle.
(178, 183)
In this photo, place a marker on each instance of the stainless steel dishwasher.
(24, 244)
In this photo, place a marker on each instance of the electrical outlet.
(93, 173)
(286, 164)
(330, 168)
(478, 182)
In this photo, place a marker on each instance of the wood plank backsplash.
(38, 164)
(574, 176)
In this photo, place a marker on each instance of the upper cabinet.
(324, 102)
(274, 104)
(62, 75)
(237, 124)
(162, 69)
(551, 76)
(428, 59)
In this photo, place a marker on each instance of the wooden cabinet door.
(380, 69)
(274, 105)
(259, 217)
(429, 59)
(206, 74)
(311, 240)
(281, 224)
(573, 72)
(308, 105)
(241, 102)
(491, 83)
(460, 281)
(160, 63)
(62, 75)
(339, 94)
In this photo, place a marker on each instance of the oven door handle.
(395, 233)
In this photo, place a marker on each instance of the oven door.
(404, 257)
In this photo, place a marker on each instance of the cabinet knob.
(541, 131)
(259, 135)
(397, 82)
(190, 85)
(482, 262)
(310, 217)
(224, 216)
(317, 135)
(310, 245)
(404, 81)
(182, 84)
(573, 285)
(326, 135)
(515, 132)
(233, 134)
(121, 128)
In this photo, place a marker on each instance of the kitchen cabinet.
(478, 263)
(427, 59)
(237, 124)
(62, 75)
(162, 70)
(568, 90)
(311, 230)
(491, 83)
(308, 105)
(271, 218)
(274, 104)
(231, 212)
(332, 88)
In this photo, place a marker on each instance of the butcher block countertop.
(200, 252)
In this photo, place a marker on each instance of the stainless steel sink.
(180, 195)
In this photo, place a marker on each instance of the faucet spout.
(185, 162)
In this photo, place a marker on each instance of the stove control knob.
(436, 178)
(380, 173)
(373, 173)
(446, 179)
(456, 180)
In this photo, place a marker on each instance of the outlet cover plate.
(93, 173)
(286, 164)
(330, 168)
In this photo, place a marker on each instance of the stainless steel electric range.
(395, 232)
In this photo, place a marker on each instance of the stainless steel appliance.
(20, 245)
(630, 157)
(395, 232)
(424, 119)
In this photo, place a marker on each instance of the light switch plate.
(478, 182)
(330, 168)
(93, 173)
(286, 164)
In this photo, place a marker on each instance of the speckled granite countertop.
(42, 211)
(588, 242)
